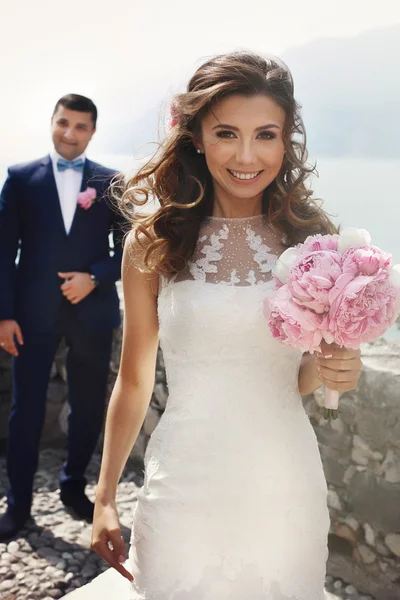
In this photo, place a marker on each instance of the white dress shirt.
(69, 183)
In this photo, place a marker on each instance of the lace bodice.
(237, 251)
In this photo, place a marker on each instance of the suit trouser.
(88, 358)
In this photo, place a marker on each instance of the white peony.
(351, 237)
(394, 277)
(284, 264)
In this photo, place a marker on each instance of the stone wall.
(361, 456)
(360, 452)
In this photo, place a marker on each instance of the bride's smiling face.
(242, 138)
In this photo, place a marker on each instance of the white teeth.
(244, 175)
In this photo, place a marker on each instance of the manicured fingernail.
(121, 559)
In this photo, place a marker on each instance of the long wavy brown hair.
(179, 178)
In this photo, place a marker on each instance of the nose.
(68, 134)
(245, 153)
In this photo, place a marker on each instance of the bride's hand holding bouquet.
(337, 291)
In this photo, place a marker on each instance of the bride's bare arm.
(134, 385)
(128, 405)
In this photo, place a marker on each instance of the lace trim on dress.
(202, 266)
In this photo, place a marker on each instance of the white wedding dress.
(234, 501)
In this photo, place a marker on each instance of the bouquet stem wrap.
(331, 404)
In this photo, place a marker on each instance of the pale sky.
(95, 47)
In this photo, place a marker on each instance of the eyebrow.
(65, 120)
(269, 126)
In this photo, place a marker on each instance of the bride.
(234, 501)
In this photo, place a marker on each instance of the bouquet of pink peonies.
(337, 288)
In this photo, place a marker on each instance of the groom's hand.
(76, 286)
(9, 332)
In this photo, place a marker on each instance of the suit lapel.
(49, 183)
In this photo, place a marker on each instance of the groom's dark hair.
(78, 103)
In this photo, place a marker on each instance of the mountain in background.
(349, 89)
(350, 92)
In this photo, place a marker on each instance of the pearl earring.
(198, 151)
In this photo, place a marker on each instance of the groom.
(56, 213)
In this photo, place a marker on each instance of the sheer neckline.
(238, 251)
(260, 217)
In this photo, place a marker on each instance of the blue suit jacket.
(31, 222)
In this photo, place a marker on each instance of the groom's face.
(71, 131)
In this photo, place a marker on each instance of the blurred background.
(131, 57)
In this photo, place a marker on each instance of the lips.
(243, 176)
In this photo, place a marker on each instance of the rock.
(49, 554)
(66, 556)
(351, 590)
(6, 558)
(334, 500)
(362, 453)
(344, 531)
(338, 585)
(160, 396)
(391, 466)
(359, 457)
(349, 474)
(337, 425)
(13, 548)
(88, 571)
(366, 492)
(68, 577)
(392, 541)
(151, 420)
(6, 585)
(367, 555)
(63, 417)
(80, 556)
(381, 549)
(353, 523)
(332, 439)
(334, 471)
(383, 566)
(61, 546)
(369, 534)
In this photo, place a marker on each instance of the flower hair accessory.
(87, 198)
(174, 116)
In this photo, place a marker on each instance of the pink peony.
(86, 198)
(292, 324)
(366, 260)
(312, 278)
(362, 308)
(314, 243)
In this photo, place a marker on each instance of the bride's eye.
(266, 135)
(226, 134)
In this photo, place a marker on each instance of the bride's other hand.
(107, 541)
(338, 368)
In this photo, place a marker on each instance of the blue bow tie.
(76, 165)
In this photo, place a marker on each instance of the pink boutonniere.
(87, 198)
